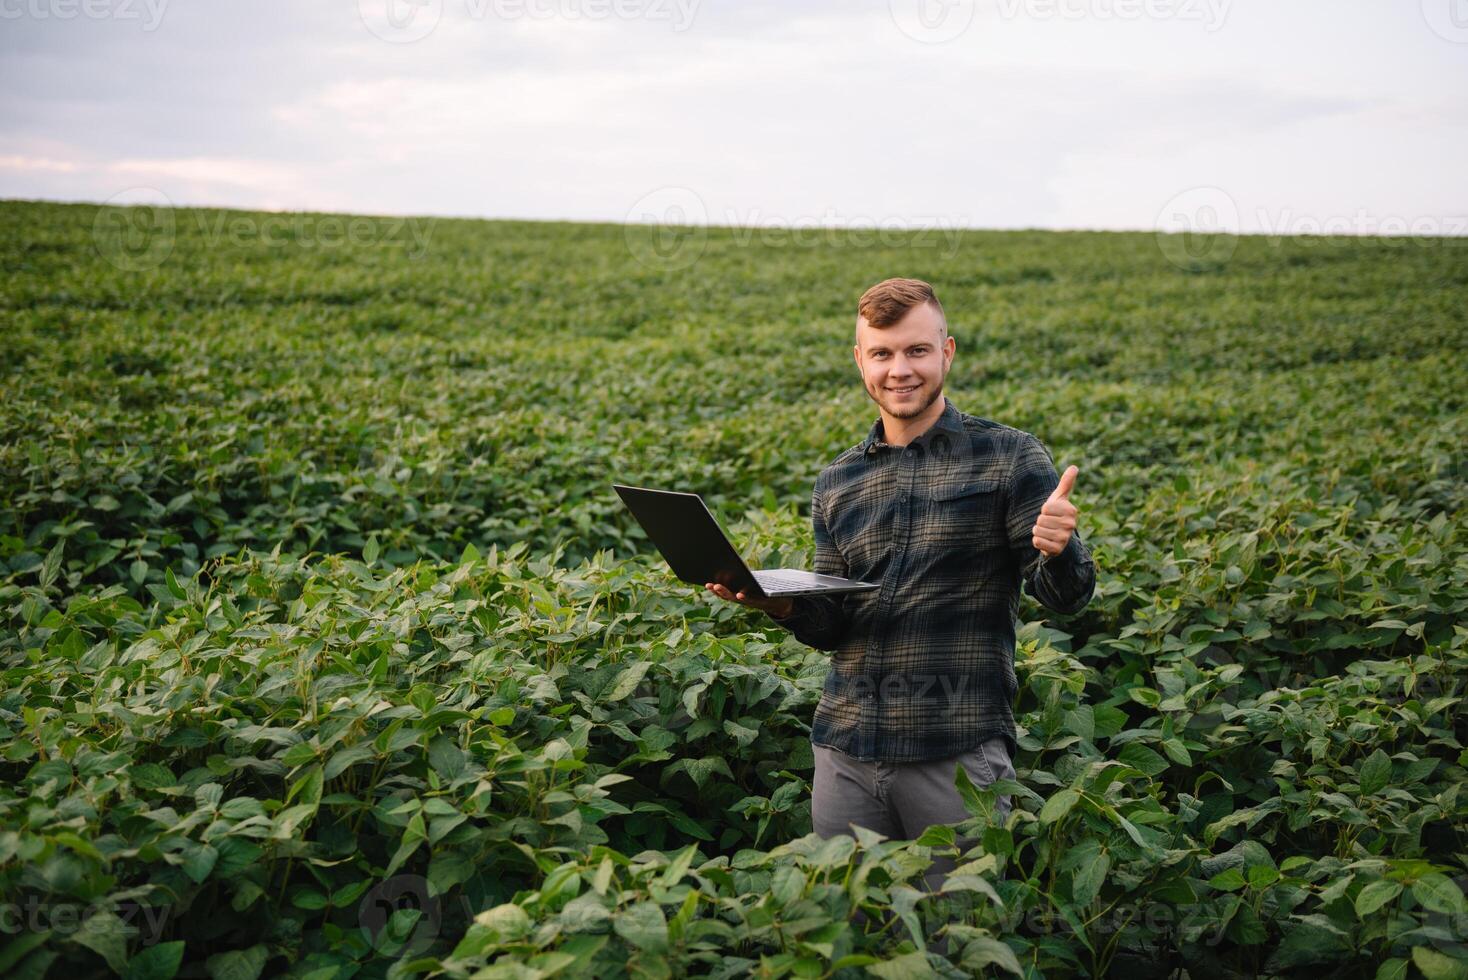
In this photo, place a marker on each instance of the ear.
(856, 354)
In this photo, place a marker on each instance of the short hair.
(891, 299)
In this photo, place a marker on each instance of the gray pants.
(902, 799)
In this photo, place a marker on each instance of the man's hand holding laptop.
(777, 607)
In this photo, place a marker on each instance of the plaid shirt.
(923, 668)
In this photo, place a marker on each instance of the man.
(948, 512)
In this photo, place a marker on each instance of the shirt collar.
(948, 421)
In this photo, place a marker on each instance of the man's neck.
(899, 432)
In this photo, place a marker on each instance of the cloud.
(763, 111)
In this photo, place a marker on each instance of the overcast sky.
(1265, 115)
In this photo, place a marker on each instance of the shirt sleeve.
(818, 620)
(1063, 582)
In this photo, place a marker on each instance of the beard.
(912, 410)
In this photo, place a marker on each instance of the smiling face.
(903, 366)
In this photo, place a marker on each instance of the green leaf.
(1139, 756)
(1392, 969)
(446, 758)
(986, 951)
(1439, 893)
(506, 922)
(788, 884)
(415, 834)
(627, 681)
(199, 862)
(51, 567)
(138, 571)
(370, 551)
(157, 962)
(678, 867)
(174, 589)
(106, 935)
(1228, 880)
(1312, 939)
(238, 964)
(307, 786)
(1438, 966)
(345, 758)
(1375, 895)
(1058, 806)
(909, 966)
(1088, 877)
(19, 947)
(644, 926)
(1376, 771)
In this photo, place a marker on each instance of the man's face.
(903, 366)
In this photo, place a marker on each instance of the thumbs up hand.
(1057, 517)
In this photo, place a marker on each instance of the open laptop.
(698, 551)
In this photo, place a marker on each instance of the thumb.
(1067, 483)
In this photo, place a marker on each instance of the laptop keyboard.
(777, 578)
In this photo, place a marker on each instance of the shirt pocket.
(966, 514)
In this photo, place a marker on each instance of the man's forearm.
(814, 620)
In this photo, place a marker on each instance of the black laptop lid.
(689, 537)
